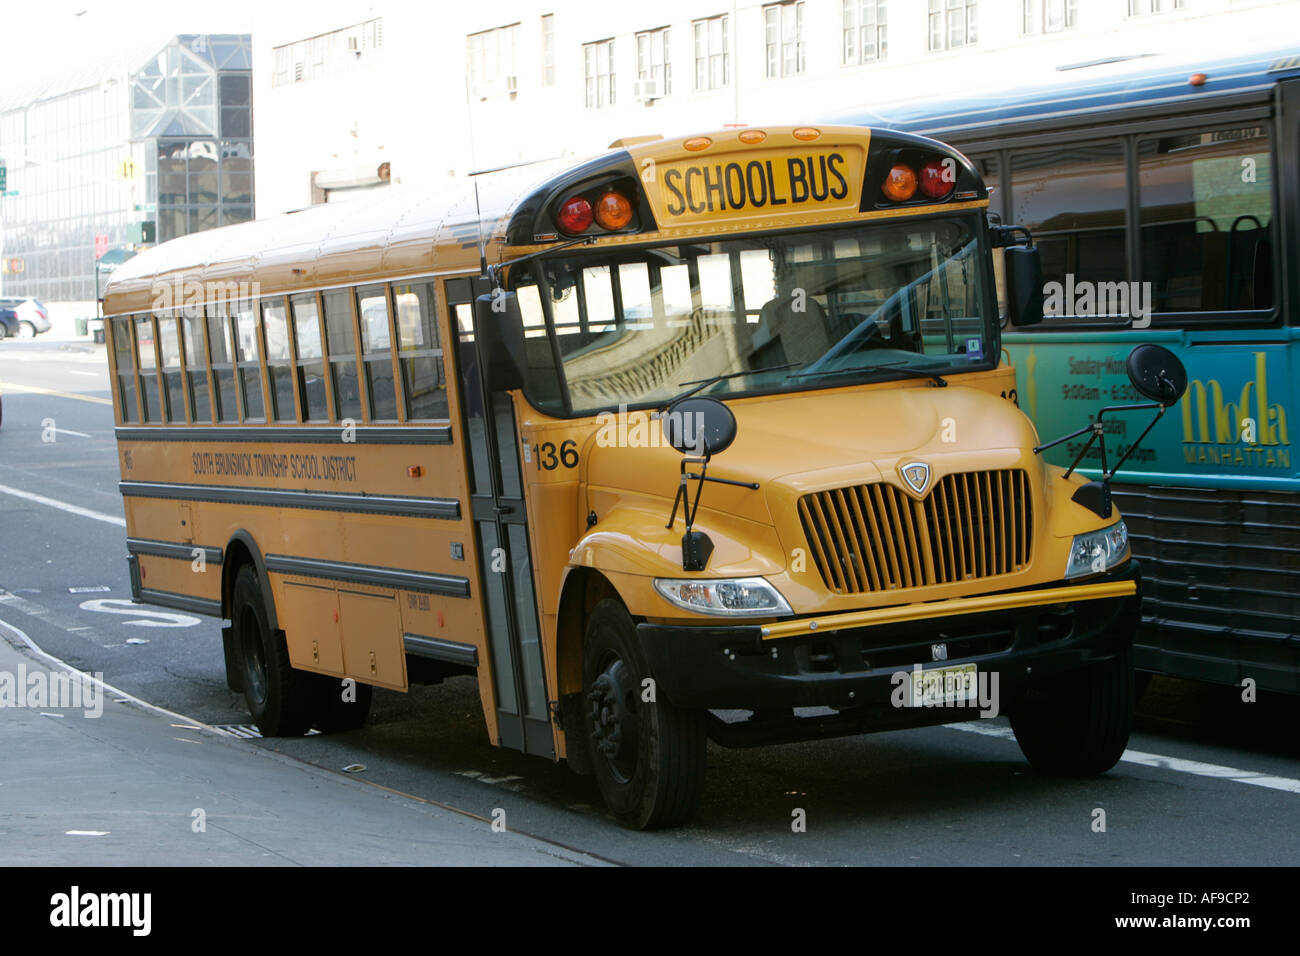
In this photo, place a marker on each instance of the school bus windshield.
(775, 312)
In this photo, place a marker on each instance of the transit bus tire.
(1077, 724)
(647, 757)
(332, 713)
(279, 697)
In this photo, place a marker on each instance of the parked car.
(33, 316)
(9, 323)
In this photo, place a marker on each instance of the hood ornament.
(917, 476)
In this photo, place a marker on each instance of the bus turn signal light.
(900, 183)
(938, 177)
(574, 216)
(613, 211)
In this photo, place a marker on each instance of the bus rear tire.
(647, 757)
(1077, 724)
(333, 714)
(279, 697)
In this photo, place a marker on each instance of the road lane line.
(1161, 762)
(77, 371)
(64, 506)
(35, 389)
(68, 431)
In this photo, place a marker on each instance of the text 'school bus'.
(721, 447)
(1164, 193)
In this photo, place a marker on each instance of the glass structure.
(141, 148)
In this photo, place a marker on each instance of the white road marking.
(143, 617)
(75, 371)
(68, 431)
(63, 505)
(1161, 762)
(88, 590)
(87, 833)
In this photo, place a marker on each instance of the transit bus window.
(424, 391)
(343, 355)
(311, 367)
(223, 366)
(196, 363)
(1074, 201)
(173, 387)
(148, 369)
(125, 361)
(377, 349)
(246, 362)
(279, 361)
(1206, 216)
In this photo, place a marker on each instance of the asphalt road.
(1207, 780)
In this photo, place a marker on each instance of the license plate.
(944, 685)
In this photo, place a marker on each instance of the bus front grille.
(877, 538)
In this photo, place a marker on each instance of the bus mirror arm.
(696, 545)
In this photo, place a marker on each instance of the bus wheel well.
(236, 556)
(583, 590)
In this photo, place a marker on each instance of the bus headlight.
(1098, 551)
(730, 596)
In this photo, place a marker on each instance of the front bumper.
(853, 667)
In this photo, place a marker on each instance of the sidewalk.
(122, 788)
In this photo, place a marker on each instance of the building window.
(1048, 16)
(864, 31)
(548, 49)
(654, 71)
(1140, 8)
(783, 35)
(491, 59)
(326, 54)
(598, 60)
(952, 24)
(712, 53)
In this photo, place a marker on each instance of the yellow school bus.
(703, 438)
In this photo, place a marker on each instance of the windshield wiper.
(703, 383)
(902, 370)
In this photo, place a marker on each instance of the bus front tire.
(647, 756)
(1077, 724)
(279, 698)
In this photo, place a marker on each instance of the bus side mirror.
(1024, 272)
(499, 328)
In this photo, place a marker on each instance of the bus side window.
(1206, 216)
(169, 346)
(279, 360)
(148, 368)
(247, 364)
(196, 363)
(377, 352)
(125, 360)
(342, 355)
(311, 367)
(223, 364)
(424, 392)
(1074, 200)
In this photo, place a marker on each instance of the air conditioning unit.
(646, 90)
(484, 89)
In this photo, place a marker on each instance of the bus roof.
(416, 233)
(1073, 94)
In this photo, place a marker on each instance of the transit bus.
(703, 438)
(1175, 177)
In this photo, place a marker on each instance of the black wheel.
(338, 707)
(1077, 724)
(279, 697)
(647, 757)
(26, 330)
(4, 330)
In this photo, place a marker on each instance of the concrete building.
(388, 95)
(151, 143)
